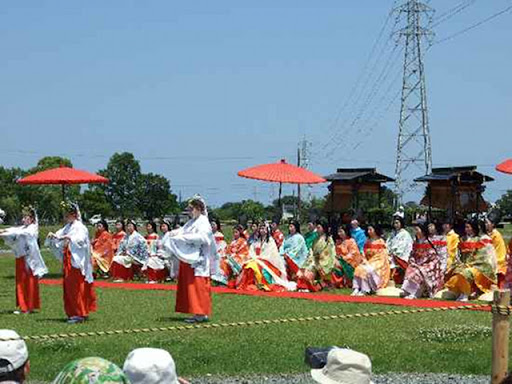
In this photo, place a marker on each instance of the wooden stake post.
(500, 335)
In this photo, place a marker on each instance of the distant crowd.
(435, 260)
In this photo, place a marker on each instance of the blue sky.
(199, 90)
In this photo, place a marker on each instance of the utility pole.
(303, 160)
(414, 146)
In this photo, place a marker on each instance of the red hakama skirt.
(193, 294)
(79, 295)
(27, 287)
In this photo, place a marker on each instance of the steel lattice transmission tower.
(414, 147)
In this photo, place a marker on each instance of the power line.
(452, 12)
(473, 26)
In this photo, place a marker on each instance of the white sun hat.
(344, 366)
(150, 366)
(13, 349)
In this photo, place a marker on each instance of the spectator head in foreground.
(91, 370)
(150, 366)
(14, 364)
(344, 366)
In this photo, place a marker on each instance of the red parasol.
(505, 167)
(63, 176)
(281, 172)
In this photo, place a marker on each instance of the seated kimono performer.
(373, 273)
(399, 245)
(277, 235)
(424, 275)
(452, 242)
(118, 236)
(253, 237)
(217, 274)
(30, 266)
(131, 255)
(348, 258)
(508, 276)
(316, 272)
(71, 245)
(159, 264)
(311, 235)
(151, 234)
(265, 269)
(499, 247)
(357, 233)
(294, 250)
(440, 244)
(474, 270)
(194, 246)
(102, 249)
(237, 253)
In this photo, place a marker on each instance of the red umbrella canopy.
(63, 175)
(505, 167)
(282, 172)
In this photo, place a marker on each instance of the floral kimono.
(399, 246)
(374, 272)
(237, 253)
(474, 267)
(131, 256)
(424, 271)
(348, 257)
(441, 245)
(317, 269)
(265, 269)
(295, 252)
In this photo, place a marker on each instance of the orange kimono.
(237, 253)
(102, 251)
(116, 240)
(374, 272)
(278, 238)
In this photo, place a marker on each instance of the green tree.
(154, 196)
(123, 171)
(504, 203)
(93, 201)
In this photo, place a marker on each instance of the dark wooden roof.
(369, 175)
(467, 174)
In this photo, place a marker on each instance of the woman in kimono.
(102, 249)
(217, 274)
(253, 237)
(440, 244)
(474, 269)
(311, 236)
(159, 262)
(151, 234)
(316, 272)
(71, 245)
(373, 273)
(265, 268)
(399, 245)
(194, 246)
(118, 236)
(452, 242)
(348, 258)
(131, 255)
(424, 275)
(499, 247)
(237, 253)
(294, 251)
(30, 266)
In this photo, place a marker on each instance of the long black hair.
(475, 225)
(122, 224)
(104, 223)
(153, 226)
(296, 224)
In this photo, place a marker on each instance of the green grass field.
(451, 342)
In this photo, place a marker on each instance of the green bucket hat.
(91, 370)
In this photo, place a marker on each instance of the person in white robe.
(30, 266)
(131, 256)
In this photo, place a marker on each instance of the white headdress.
(198, 197)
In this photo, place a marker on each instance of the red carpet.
(320, 297)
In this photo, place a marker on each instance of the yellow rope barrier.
(74, 335)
